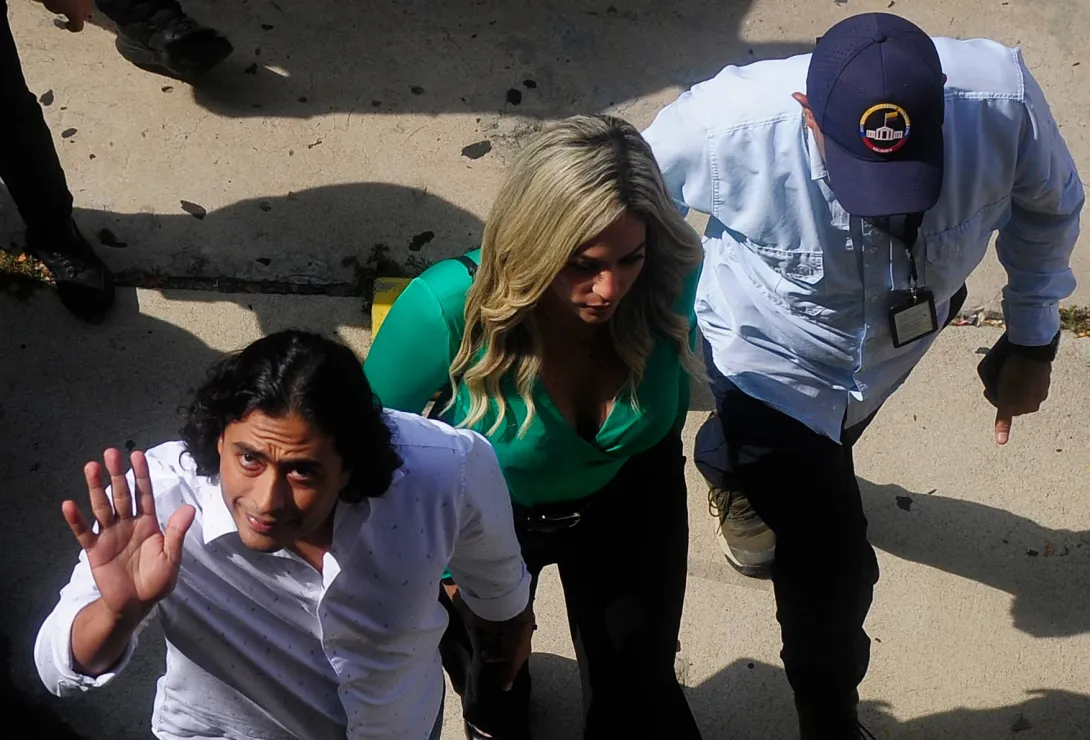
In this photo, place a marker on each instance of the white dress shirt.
(794, 295)
(262, 646)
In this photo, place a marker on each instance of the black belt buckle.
(546, 524)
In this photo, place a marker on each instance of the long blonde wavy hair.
(571, 181)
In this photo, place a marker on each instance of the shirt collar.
(818, 171)
(217, 520)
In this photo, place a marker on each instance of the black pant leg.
(123, 12)
(503, 715)
(624, 585)
(803, 485)
(29, 166)
(455, 649)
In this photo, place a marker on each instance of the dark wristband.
(1043, 353)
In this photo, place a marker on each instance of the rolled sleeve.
(487, 562)
(53, 647)
(1035, 246)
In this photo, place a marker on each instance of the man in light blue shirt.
(844, 221)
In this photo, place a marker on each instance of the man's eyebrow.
(249, 450)
(296, 463)
(302, 464)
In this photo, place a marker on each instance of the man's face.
(281, 478)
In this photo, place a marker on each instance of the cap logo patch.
(884, 128)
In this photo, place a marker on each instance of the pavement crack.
(220, 284)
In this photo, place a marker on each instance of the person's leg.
(624, 584)
(31, 171)
(803, 485)
(158, 36)
(743, 537)
(487, 710)
(29, 165)
(455, 648)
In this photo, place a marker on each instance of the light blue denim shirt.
(794, 295)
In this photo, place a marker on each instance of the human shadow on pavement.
(552, 58)
(35, 720)
(1047, 571)
(751, 700)
(328, 240)
(68, 390)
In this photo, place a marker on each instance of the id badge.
(911, 317)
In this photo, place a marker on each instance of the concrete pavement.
(334, 135)
(980, 617)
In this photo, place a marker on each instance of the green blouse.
(410, 358)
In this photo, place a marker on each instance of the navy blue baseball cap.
(875, 87)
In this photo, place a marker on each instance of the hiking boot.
(748, 543)
(84, 285)
(163, 39)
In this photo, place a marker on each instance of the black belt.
(552, 518)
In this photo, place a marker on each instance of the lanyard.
(905, 229)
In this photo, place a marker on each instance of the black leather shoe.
(472, 733)
(167, 41)
(84, 285)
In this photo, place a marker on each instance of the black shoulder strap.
(470, 265)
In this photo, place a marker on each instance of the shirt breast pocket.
(953, 254)
(789, 277)
(797, 266)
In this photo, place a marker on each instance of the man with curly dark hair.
(291, 546)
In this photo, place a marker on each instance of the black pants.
(123, 12)
(623, 571)
(29, 166)
(803, 485)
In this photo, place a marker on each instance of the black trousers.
(623, 571)
(123, 12)
(29, 166)
(803, 485)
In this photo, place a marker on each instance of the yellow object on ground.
(386, 292)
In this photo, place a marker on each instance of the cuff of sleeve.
(501, 608)
(70, 680)
(1032, 326)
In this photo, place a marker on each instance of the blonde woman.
(566, 340)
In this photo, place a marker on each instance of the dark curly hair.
(306, 374)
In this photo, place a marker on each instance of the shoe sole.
(752, 570)
(150, 60)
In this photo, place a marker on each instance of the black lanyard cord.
(907, 234)
(911, 232)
